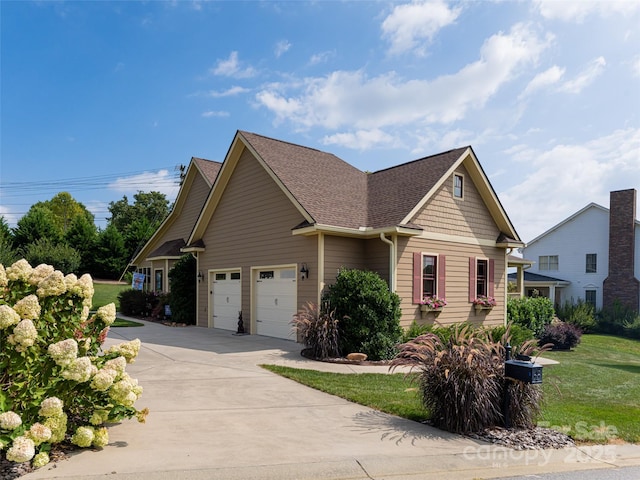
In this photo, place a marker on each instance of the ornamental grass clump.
(56, 382)
(317, 330)
(462, 380)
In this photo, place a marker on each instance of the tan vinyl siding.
(377, 254)
(182, 225)
(342, 252)
(250, 227)
(459, 309)
(466, 217)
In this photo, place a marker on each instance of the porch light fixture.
(200, 276)
(304, 271)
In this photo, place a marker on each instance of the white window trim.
(461, 197)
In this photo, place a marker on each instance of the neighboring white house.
(572, 259)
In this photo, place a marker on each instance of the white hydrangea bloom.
(40, 460)
(4, 281)
(85, 313)
(28, 307)
(126, 391)
(85, 284)
(71, 282)
(128, 350)
(83, 437)
(103, 379)
(8, 317)
(22, 450)
(39, 273)
(58, 426)
(24, 335)
(118, 364)
(52, 286)
(107, 313)
(79, 370)
(64, 352)
(21, 270)
(51, 407)
(100, 437)
(10, 420)
(39, 433)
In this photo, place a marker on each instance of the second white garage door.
(275, 301)
(226, 295)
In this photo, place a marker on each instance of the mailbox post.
(522, 369)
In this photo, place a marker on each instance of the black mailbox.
(526, 372)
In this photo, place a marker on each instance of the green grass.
(592, 394)
(121, 322)
(392, 394)
(105, 293)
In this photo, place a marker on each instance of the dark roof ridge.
(422, 158)
(290, 143)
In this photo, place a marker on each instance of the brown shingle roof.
(338, 194)
(209, 168)
(170, 248)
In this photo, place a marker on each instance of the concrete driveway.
(216, 414)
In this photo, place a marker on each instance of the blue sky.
(102, 99)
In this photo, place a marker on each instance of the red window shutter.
(442, 276)
(417, 277)
(472, 278)
(490, 280)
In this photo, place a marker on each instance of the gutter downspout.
(392, 262)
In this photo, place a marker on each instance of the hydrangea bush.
(57, 383)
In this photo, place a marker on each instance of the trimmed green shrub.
(581, 314)
(517, 334)
(56, 381)
(318, 330)
(530, 312)
(462, 380)
(182, 298)
(136, 302)
(59, 255)
(562, 335)
(612, 320)
(368, 312)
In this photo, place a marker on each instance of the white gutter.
(392, 261)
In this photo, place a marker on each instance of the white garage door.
(226, 303)
(275, 301)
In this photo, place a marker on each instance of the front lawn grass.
(592, 394)
(105, 293)
(121, 322)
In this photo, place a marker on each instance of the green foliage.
(56, 381)
(182, 299)
(415, 330)
(82, 235)
(318, 330)
(38, 223)
(110, 256)
(368, 313)
(462, 380)
(517, 334)
(66, 210)
(136, 302)
(632, 328)
(562, 335)
(581, 314)
(612, 320)
(530, 312)
(59, 255)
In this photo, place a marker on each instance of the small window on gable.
(458, 186)
(592, 263)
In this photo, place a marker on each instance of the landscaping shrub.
(56, 381)
(182, 299)
(562, 335)
(530, 312)
(136, 302)
(632, 328)
(369, 313)
(462, 380)
(415, 330)
(581, 314)
(317, 330)
(612, 320)
(517, 334)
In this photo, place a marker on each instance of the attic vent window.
(458, 186)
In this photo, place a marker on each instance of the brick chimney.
(621, 284)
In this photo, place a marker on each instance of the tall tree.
(7, 253)
(65, 209)
(82, 235)
(111, 257)
(39, 222)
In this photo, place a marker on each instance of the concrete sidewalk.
(216, 414)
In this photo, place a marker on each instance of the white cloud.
(577, 10)
(360, 140)
(227, 93)
(586, 77)
(635, 66)
(160, 181)
(211, 113)
(411, 25)
(565, 178)
(542, 80)
(282, 47)
(321, 57)
(350, 98)
(231, 67)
